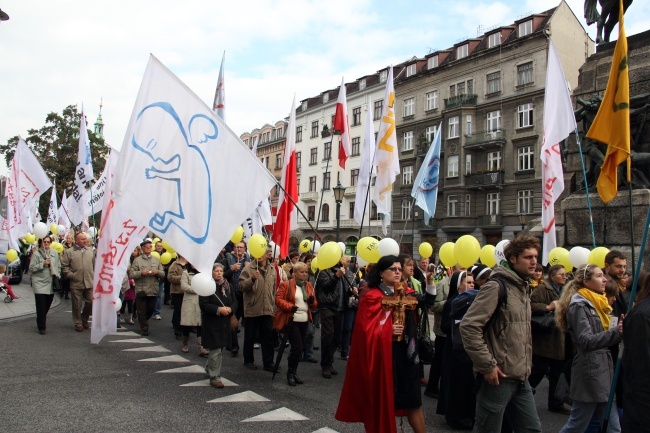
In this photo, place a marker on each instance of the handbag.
(56, 284)
(234, 322)
(426, 349)
(543, 322)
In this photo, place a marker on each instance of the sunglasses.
(394, 269)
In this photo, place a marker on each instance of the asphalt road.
(59, 382)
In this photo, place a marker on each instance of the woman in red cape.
(382, 378)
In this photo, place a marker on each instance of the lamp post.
(339, 191)
(522, 220)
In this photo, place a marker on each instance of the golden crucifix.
(399, 303)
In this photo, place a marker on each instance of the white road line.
(147, 349)
(168, 358)
(246, 396)
(282, 414)
(188, 369)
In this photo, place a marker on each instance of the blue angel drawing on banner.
(190, 174)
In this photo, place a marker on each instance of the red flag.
(341, 124)
(287, 215)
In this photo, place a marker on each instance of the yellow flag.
(611, 125)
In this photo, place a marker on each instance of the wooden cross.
(399, 304)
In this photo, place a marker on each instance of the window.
(494, 40)
(354, 177)
(452, 205)
(406, 209)
(409, 107)
(333, 117)
(493, 120)
(383, 76)
(373, 211)
(494, 160)
(313, 156)
(356, 146)
(379, 107)
(525, 28)
(298, 161)
(493, 82)
(362, 84)
(407, 175)
(325, 213)
(452, 91)
(351, 214)
(356, 116)
(278, 161)
(431, 133)
(525, 158)
(468, 125)
(314, 129)
(276, 191)
(432, 62)
(326, 97)
(279, 133)
(470, 87)
(298, 185)
(410, 70)
(460, 88)
(326, 180)
(312, 183)
(525, 201)
(462, 51)
(492, 203)
(407, 142)
(525, 74)
(525, 115)
(468, 207)
(432, 100)
(453, 127)
(304, 105)
(328, 151)
(267, 161)
(468, 164)
(298, 134)
(311, 213)
(452, 166)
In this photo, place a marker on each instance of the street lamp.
(339, 191)
(523, 217)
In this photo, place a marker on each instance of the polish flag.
(341, 124)
(287, 216)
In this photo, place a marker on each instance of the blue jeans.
(582, 413)
(161, 296)
(346, 330)
(512, 397)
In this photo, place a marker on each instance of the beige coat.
(259, 295)
(78, 265)
(190, 311)
(147, 284)
(174, 274)
(41, 274)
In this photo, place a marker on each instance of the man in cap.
(146, 272)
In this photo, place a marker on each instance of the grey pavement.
(24, 306)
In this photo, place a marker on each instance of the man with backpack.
(497, 337)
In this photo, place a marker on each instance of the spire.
(99, 123)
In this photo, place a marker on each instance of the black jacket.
(636, 359)
(328, 289)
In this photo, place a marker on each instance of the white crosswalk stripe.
(282, 414)
(246, 396)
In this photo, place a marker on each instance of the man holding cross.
(383, 374)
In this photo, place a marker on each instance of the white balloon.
(41, 230)
(361, 262)
(316, 246)
(92, 231)
(118, 305)
(388, 247)
(499, 257)
(60, 230)
(578, 256)
(203, 284)
(342, 245)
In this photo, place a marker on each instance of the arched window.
(325, 213)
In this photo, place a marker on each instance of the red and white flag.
(559, 122)
(219, 105)
(341, 124)
(287, 216)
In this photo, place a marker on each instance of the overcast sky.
(56, 53)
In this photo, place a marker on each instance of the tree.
(56, 146)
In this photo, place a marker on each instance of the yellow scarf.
(599, 301)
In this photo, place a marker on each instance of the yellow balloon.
(446, 254)
(155, 254)
(165, 258)
(54, 228)
(30, 238)
(487, 256)
(257, 245)
(560, 256)
(314, 264)
(329, 255)
(57, 246)
(597, 256)
(155, 241)
(173, 254)
(305, 246)
(12, 255)
(425, 249)
(467, 250)
(166, 246)
(238, 235)
(368, 249)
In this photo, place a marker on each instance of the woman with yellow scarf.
(584, 313)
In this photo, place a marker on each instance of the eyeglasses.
(394, 269)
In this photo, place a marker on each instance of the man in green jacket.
(146, 271)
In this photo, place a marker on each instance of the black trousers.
(177, 303)
(43, 303)
(436, 365)
(297, 336)
(330, 332)
(145, 306)
(554, 367)
(264, 326)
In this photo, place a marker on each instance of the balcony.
(460, 100)
(350, 191)
(485, 139)
(309, 196)
(490, 179)
(491, 221)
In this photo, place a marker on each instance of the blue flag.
(425, 188)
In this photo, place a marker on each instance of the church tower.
(99, 123)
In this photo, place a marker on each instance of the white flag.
(94, 197)
(119, 236)
(219, 104)
(82, 175)
(63, 212)
(386, 155)
(53, 210)
(559, 122)
(26, 182)
(183, 173)
(362, 198)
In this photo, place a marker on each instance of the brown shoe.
(326, 373)
(78, 328)
(216, 384)
(85, 324)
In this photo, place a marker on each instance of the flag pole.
(365, 202)
(286, 194)
(584, 175)
(322, 192)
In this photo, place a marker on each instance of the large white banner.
(183, 173)
(53, 210)
(94, 197)
(82, 175)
